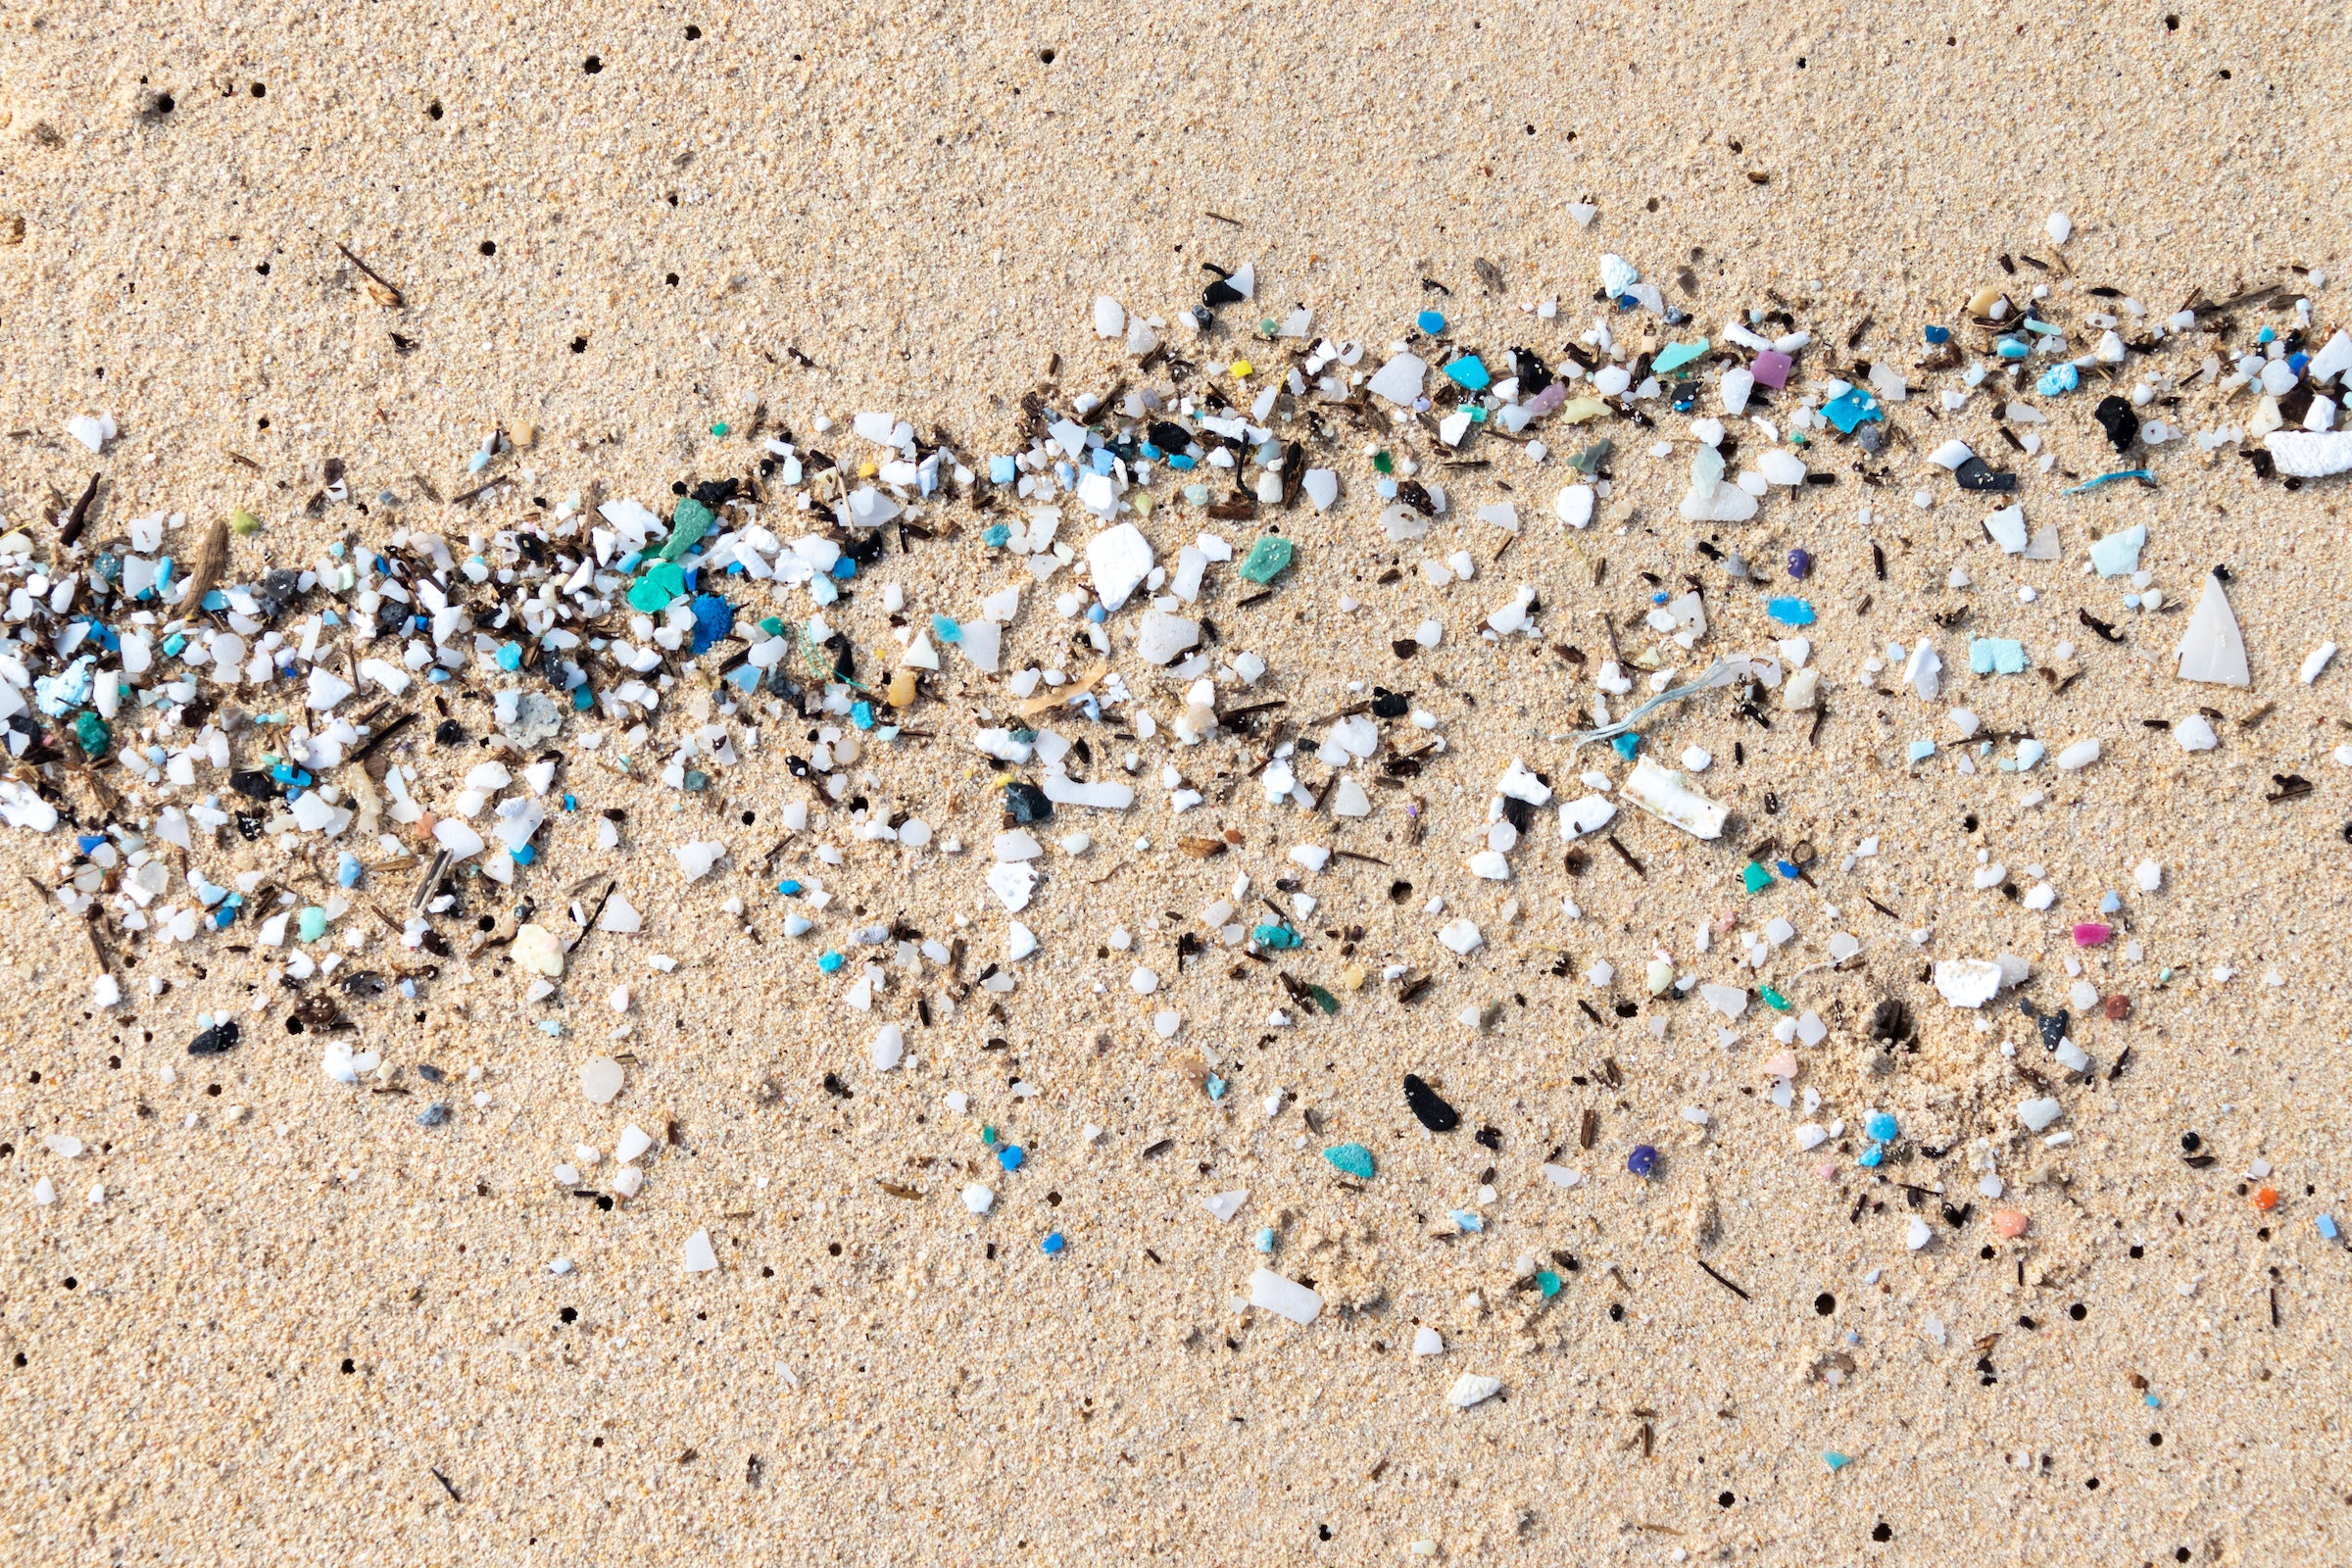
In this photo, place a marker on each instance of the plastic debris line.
(495, 744)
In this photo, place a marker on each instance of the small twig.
(79, 514)
(397, 300)
(1719, 1280)
(360, 752)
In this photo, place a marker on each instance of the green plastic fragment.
(1548, 1283)
(1773, 998)
(1755, 877)
(91, 732)
(720, 429)
(687, 526)
(1266, 559)
(988, 1136)
(657, 586)
(1324, 1000)
(1590, 460)
(1383, 462)
(1353, 1158)
(312, 923)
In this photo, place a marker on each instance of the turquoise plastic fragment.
(2057, 379)
(1835, 1460)
(1279, 937)
(1791, 612)
(1353, 1158)
(1852, 407)
(1469, 373)
(1997, 655)
(1627, 743)
(687, 526)
(1674, 356)
(1268, 559)
(656, 587)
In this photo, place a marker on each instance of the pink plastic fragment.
(1783, 1065)
(1772, 368)
(2090, 933)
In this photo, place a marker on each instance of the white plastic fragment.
(1662, 792)
(1226, 1204)
(600, 1080)
(1428, 1342)
(890, 1046)
(979, 1200)
(1967, 982)
(2310, 454)
(2213, 651)
(1399, 380)
(2039, 1113)
(1286, 1297)
(1471, 1389)
(2315, 662)
(1119, 558)
(2077, 757)
(701, 1259)
(2195, 734)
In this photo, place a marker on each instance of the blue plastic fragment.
(2013, 348)
(946, 629)
(1010, 1157)
(1791, 612)
(1832, 1457)
(1626, 745)
(1465, 1220)
(1052, 1244)
(1921, 750)
(1000, 470)
(1873, 1156)
(994, 535)
(1786, 868)
(1642, 1160)
(714, 618)
(1939, 334)
(831, 962)
(1430, 322)
(1997, 655)
(1880, 1126)
(1265, 1239)
(2109, 478)
(2327, 1224)
(2058, 378)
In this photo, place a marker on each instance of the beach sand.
(302, 1326)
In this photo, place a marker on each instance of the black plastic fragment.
(2116, 418)
(1979, 475)
(218, 1041)
(1429, 1107)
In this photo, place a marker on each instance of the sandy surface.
(309, 1328)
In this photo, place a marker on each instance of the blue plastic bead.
(1097, 614)
(1880, 1127)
